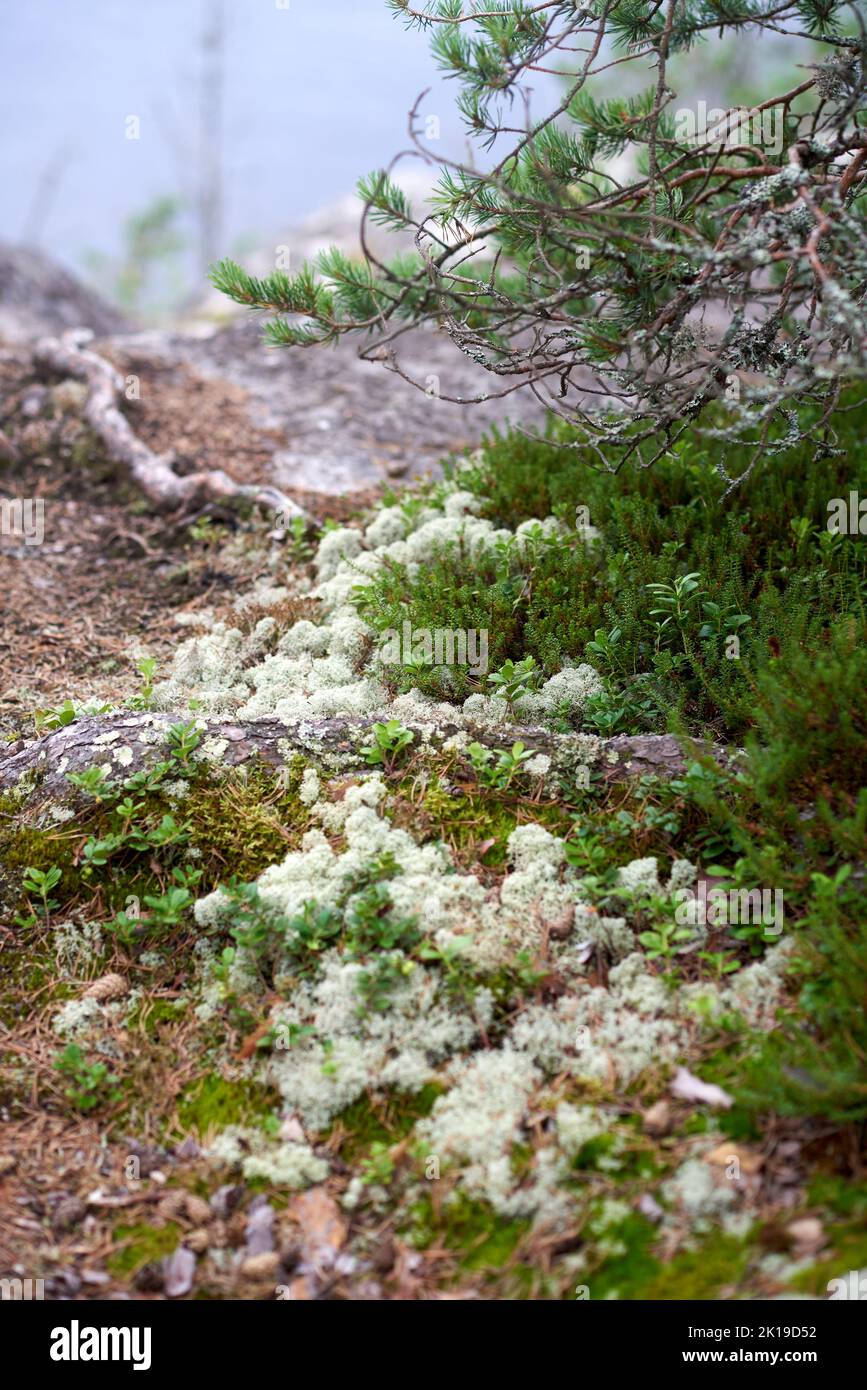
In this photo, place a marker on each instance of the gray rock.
(259, 1231)
(178, 1272)
(38, 296)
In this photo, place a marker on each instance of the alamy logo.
(715, 907)
(439, 646)
(852, 1287)
(76, 1343)
(848, 517)
(23, 517)
(736, 126)
(22, 1290)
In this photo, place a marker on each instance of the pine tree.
(719, 287)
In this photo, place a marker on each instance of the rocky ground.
(456, 1075)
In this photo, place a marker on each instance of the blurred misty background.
(252, 115)
(143, 141)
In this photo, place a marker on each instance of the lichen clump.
(336, 1051)
(331, 667)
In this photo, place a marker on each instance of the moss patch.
(718, 1263)
(626, 1274)
(27, 847)
(480, 1238)
(245, 822)
(378, 1120)
(212, 1103)
(141, 1245)
(474, 817)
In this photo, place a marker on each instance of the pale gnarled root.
(151, 473)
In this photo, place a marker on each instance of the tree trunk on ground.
(331, 743)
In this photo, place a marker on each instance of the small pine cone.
(106, 987)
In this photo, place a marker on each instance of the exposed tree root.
(151, 473)
(334, 743)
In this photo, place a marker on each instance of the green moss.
(240, 823)
(475, 816)
(841, 1195)
(481, 1238)
(10, 804)
(626, 1274)
(27, 847)
(740, 1125)
(140, 1245)
(635, 1270)
(718, 1263)
(148, 1013)
(627, 1155)
(380, 1120)
(245, 822)
(490, 1242)
(521, 1160)
(213, 1102)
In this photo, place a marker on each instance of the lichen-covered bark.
(143, 738)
